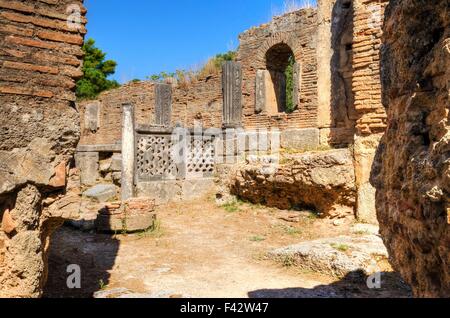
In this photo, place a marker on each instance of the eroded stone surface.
(40, 61)
(412, 169)
(324, 181)
(101, 192)
(338, 256)
(307, 138)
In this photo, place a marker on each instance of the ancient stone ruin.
(332, 108)
(412, 170)
(40, 56)
(308, 143)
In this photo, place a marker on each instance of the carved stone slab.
(232, 94)
(92, 117)
(163, 104)
(260, 91)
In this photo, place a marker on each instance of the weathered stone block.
(128, 151)
(308, 138)
(260, 91)
(175, 190)
(411, 171)
(136, 214)
(322, 180)
(116, 163)
(59, 179)
(101, 192)
(324, 255)
(116, 178)
(88, 164)
(232, 94)
(105, 165)
(160, 191)
(163, 104)
(8, 224)
(92, 116)
(128, 221)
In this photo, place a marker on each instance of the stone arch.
(277, 39)
(273, 89)
(278, 59)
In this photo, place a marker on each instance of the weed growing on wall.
(289, 73)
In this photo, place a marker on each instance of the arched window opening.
(281, 89)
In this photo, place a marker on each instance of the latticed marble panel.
(200, 157)
(153, 158)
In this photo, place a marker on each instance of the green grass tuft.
(340, 247)
(257, 238)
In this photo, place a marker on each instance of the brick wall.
(371, 115)
(200, 100)
(40, 52)
(140, 94)
(299, 31)
(368, 20)
(40, 60)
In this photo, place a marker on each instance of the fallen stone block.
(338, 256)
(116, 162)
(101, 192)
(323, 181)
(307, 138)
(88, 164)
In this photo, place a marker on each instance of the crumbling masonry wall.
(366, 85)
(412, 167)
(338, 93)
(336, 113)
(200, 100)
(40, 58)
(321, 181)
(297, 30)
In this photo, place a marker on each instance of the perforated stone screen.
(153, 158)
(200, 157)
(156, 157)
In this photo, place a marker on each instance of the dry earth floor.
(202, 250)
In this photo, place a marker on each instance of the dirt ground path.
(202, 250)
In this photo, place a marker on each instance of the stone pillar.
(260, 98)
(324, 58)
(128, 151)
(232, 94)
(365, 150)
(163, 104)
(371, 124)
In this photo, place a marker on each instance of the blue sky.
(149, 36)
